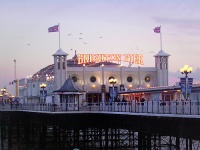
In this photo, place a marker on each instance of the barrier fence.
(191, 107)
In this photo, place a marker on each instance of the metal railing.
(157, 107)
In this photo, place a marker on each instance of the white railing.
(158, 107)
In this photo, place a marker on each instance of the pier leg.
(10, 136)
(177, 143)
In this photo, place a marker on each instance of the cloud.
(187, 25)
(175, 76)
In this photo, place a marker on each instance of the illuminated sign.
(131, 58)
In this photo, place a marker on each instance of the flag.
(54, 28)
(11, 83)
(157, 29)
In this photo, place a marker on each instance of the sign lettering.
(131, 58)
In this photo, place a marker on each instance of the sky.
(97, 27)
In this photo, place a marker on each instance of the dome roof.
(69, 86)
(161, 53)
(47, 72)
(60, 52)
(44, 73)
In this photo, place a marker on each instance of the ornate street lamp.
(1, 97)
(186, 70)
(3, 91)
(43, 86)
(112, 81)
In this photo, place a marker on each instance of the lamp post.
(43, 86)
(112, 81)
(84, 95)
(102, 85)
(139, 82)
(1, 96)
(186, 70)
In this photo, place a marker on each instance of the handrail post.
(135, 106)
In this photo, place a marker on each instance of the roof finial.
(75, 56)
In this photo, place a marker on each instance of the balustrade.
(191, 107)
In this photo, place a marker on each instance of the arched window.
(111, 77)
(129, 79)
(93, 79)
(147, 78)
(74, 78)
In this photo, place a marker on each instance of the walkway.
(155, 107)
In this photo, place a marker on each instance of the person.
(142, 101)
(124, 101)
(110, 100)
(118, 99)
(84, 103)
(11, 104)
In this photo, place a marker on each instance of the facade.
(92, 78)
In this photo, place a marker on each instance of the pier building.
(91, 73)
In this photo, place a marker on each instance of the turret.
(60, 69)
(161, 64)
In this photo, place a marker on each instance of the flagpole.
(160, 39)
(59, 34)
(15, 76)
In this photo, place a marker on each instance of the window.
(129, 79)
(165, 59)
(63, 62)
(58, 65)
(166, 66)
(111, 77)
(58, 60)
(74, 78)
(93, 79)
(147, 79)
(63, 65)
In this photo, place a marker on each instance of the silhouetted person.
(142, 101)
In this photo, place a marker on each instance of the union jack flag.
(10, 83)
(157, 29)
(54, 28)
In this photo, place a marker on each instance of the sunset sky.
(97, 27)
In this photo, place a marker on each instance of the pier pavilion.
(93, 77)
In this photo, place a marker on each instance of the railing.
(156, 107)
